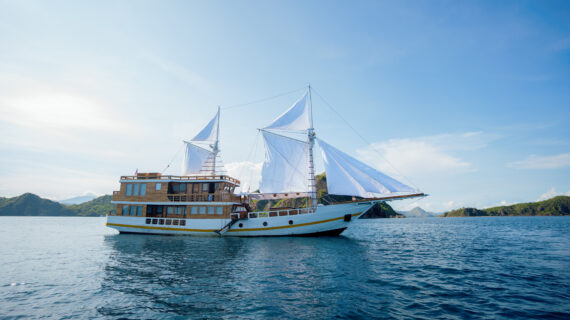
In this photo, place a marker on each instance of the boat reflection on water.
(154, 276)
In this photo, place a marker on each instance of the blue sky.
(468, 100)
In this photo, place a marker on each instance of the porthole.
(240, 225)
(290, 221)
(265, 223)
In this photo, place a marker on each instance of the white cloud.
(551, 194)
(425, 155)
(249, 174)
(542, 162)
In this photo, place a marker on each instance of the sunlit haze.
(468, 101)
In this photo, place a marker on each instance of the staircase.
(227, 227)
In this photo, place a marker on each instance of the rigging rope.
(175, 155)
(262, 100)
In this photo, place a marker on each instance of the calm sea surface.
(447, 268)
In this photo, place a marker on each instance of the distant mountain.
(418, 212)
(557, 206)
(79, 199)
(30, 204)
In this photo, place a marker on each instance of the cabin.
(153, 195)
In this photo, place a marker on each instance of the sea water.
(435, 268)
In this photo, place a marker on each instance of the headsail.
(296, 118)
(210, 131)
(195, 158)
(348, 176)
(285, 168)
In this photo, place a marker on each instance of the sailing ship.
(202, 200)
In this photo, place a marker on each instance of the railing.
(182, 178)
(203, 197)
(279, 213)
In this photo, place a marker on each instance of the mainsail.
(348, 176)
(285, 168)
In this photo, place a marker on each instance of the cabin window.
(169, 210)
(148, 221)
(182, 222)
(143, 189)
(217, 186)
(210, 210)
(157, 186)
(193, 210)
(195, 187)
(211, 187)
(183, 188)
(125, 210)
(177, 210)
(139, 211)
(204, 186)
(168, 222)
(160, 221)
(174, 222)
(219, 210)
(154, 221)
(135, 189)
(202, 210)
(129, 189)
(132, 210)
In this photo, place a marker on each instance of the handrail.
(183, 178)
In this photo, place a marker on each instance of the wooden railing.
(219, 197)
(183, 178)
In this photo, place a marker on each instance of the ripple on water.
(73, 268)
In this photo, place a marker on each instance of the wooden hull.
(325, 221)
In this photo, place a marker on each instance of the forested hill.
(557, 206)
(30, 204)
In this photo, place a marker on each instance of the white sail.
(210, 131)
(285, 168)
(296, 118)
(348, 176)
(194, 159)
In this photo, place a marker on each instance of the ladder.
(227, 227)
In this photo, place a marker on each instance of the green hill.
(557, 206)
(30, 204)
(97, 207)
(379, 210)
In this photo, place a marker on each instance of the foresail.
(210, 131)
(194, 159)
(348, 176)
(285, 168)
(296, 118)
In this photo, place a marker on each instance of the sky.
(468, 101)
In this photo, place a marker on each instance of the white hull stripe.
(231, 230)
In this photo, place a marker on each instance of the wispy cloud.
(542, 162)
(425, 155)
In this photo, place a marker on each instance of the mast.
(216, 149)
(311, 140)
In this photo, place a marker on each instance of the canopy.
(285, 169)
(296, 118)
(348, 176)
